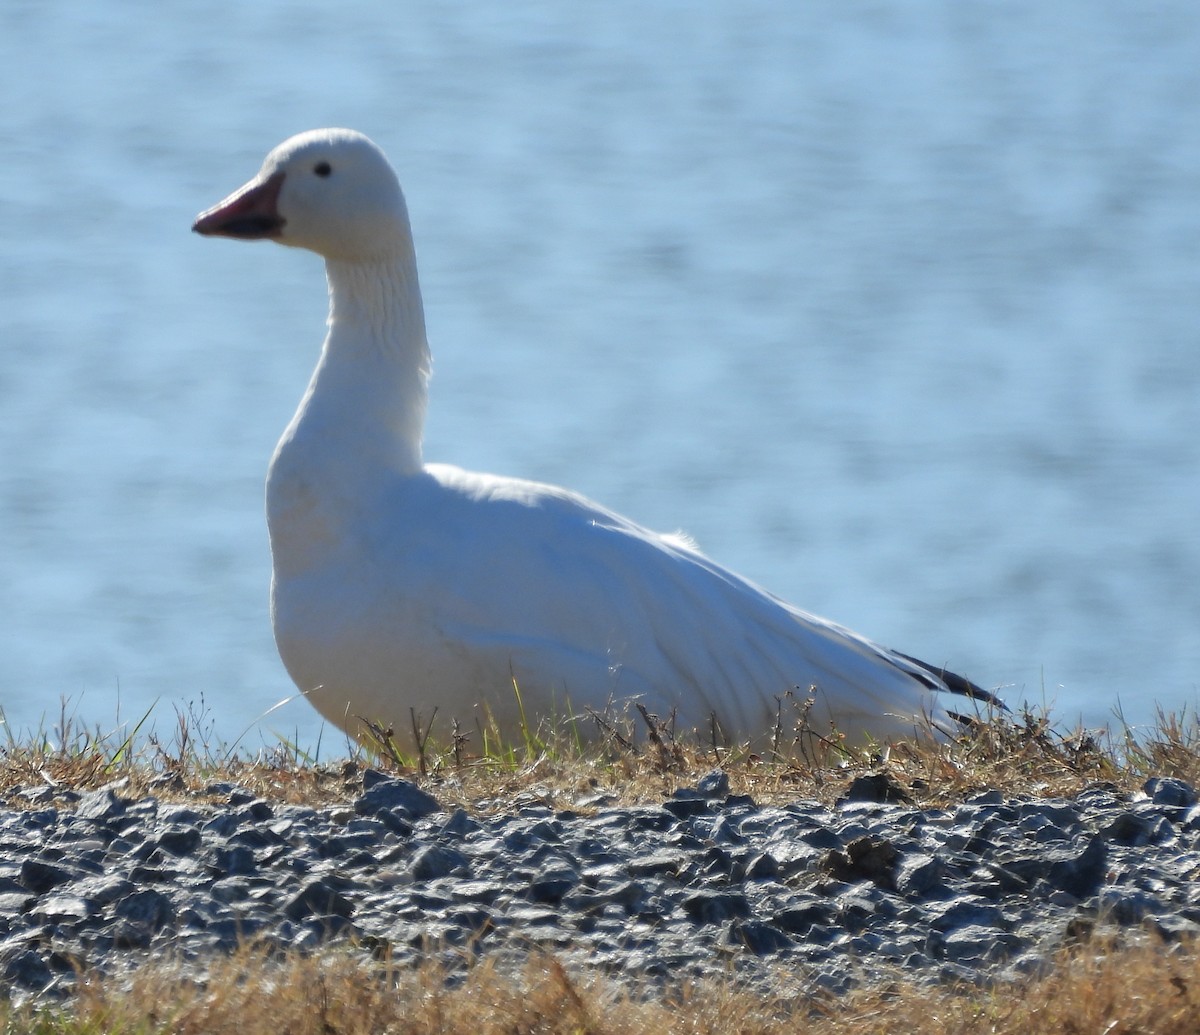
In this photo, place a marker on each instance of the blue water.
(893, 307)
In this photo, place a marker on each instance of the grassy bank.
(1142, 987)
(1142, 991)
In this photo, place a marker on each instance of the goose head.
(331, 191)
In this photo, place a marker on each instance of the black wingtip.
(957, 684)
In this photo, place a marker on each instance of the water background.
(894, 307)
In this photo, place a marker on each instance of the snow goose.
(402, 586)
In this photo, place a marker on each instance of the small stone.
(745, 802)
(1164, 790)
(236, 861)
(988, 797)
(433, 861)
(230, 889)
(919, 874)
(641, 818)
(40, 876)
(318, 899)
(821, 836)
(1172, 928)
(100, 806)
(1133, 830)
(484, 891)
(864, 858)
(183, 841)
(146, 906)
(256, 836)
(546, 830)
(685, 807)
(239, 796)
(1126, 906)
(875, 787)
(664, 862)
(226, 824)
(974, 943)
(14, 903)
(252, 809)
(715, 907)
(760, 938)
(551, 885)
(626, 894)
(26, 969)
(1191, 820)
(58, 909)
(141, 915)
(714, 784)
(799, 919)
(968, 912)
(1075, 869)
(533, 916)
(725, 830)
(763, 866)
(371, 777)
(460, 824)
(391, 795)
(178, 816)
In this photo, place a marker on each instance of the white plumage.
(403, 585)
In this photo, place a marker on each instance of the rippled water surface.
(893, 307)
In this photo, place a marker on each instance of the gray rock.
(1171, 792)
(40, 876)
(551, 884)
(875, 787)
(180, 841)
(714, 784)
(1134, 829)
(662, 862)
(715, 907)
(396, 796)
(1126, 906)
(1172, 927)
(968, 911)
(799, 919)
(864, 858)
(725, 831)
(760, 938)
(459, 825)
(14, 902)
(139, 917)
(25, 968)
(917, 875)
(433, 861)
(63, 908)
(318, 898)
(978, 944)
(626, 894)
(100, 806)
(704, 884)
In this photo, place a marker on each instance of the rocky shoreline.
(798, 898)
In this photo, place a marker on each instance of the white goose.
(404, 585)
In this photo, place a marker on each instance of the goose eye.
(322, 169)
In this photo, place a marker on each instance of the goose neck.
(370, 388)
(376, 305)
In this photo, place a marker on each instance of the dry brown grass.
(1020, 755)
(1147, 988)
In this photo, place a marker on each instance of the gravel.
(794, 898)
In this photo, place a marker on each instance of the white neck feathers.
(362, 416)
(371, 384)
